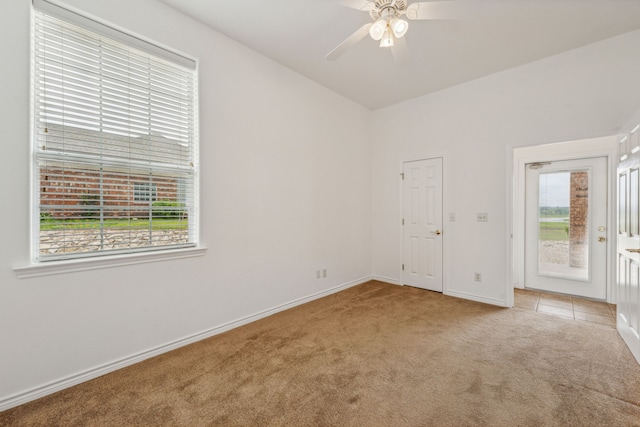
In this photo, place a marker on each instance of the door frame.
(594, 147)
(401, 215)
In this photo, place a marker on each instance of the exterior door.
(628, 276)
(422, 224)
(566, 218)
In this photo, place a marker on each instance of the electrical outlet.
(318, 274)
(324, 272)
(477, 277)
(482, 217)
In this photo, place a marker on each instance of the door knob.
(635, 251)
(437, 232)
(601, 239)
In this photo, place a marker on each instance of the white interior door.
(422, 224)
(628, 277)
(565, 220)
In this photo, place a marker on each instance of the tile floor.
(566, 306)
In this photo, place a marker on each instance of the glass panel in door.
(563, 214)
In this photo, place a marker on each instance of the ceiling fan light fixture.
(399, 27)
(387, 39)
(378, 29)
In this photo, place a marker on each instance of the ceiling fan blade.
(448, 9)
(352, 40)
(400, 51)
(365, 5)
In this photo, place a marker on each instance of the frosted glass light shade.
(378, 29)
(399, 27)
(387, 39)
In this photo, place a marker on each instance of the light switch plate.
(482, 217)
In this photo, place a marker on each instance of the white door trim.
(596, 147)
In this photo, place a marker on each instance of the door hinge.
(402, 175)
(402, 267)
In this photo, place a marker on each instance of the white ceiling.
(505, 34)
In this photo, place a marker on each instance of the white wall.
(285, 190)
(584, 93)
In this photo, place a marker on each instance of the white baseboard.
(55, 386)
(492, 301)
(386, 280)
(462, 295)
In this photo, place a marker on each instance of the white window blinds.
(115, 150)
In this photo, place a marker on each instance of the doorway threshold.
(566, 306)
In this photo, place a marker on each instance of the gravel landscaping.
(54, 242)
(554, 251)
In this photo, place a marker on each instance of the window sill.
(72, 266)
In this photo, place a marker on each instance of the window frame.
(90, 260)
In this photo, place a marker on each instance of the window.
(145, 192)
(114, 141)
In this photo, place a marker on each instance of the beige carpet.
(373, 355)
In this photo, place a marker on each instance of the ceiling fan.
(389, 28)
